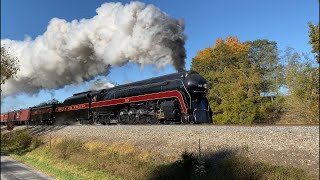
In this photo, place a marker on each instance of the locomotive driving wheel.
(131, 119)
(152, 120)
(123, 116)
(123, 119)
(184, 119)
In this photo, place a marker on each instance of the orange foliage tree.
(233, 81)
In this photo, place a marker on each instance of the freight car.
(178, 97)
(18, 117)
(4, 118)
(34, 116)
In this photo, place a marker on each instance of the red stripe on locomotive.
(146, 97)
(154, 96)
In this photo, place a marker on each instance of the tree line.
(252, 82)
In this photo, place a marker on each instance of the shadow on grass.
(224, 164)
(194, 167)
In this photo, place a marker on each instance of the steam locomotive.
(178, 97)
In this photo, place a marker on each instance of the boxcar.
(22, 116)
(4, 118)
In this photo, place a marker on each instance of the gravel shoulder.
(281, 145)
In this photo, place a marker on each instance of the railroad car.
(4, 118)
(178, 97)
(22, 116)
(17, 117)
(43, 114)
(12, 117)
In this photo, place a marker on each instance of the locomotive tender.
(178, 97)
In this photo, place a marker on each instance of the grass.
(244, 168)
(19, 141)
(43, 160)
(74, 159)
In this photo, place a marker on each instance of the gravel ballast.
(280, 145)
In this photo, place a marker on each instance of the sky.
(282, 21)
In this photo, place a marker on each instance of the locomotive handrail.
(187, 92)
(131, 87)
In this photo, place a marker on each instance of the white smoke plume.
(100, 84)
(77, 51)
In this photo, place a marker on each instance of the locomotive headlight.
(205, 86)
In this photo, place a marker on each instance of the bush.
(68, 147)
(16, 141)
(23, 140)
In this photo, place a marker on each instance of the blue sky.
(283, 21)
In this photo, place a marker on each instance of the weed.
(36, 142)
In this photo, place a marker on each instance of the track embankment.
(280, 145)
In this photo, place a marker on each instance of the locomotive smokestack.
(77, 51)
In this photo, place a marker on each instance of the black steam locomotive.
(178, 97)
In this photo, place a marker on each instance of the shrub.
(67, 147)
(17, 141)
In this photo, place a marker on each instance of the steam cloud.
(100, 84)
(77, 51)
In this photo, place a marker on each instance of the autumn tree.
(302, 81)
(9, 65)
(314, 39)
(233, 81)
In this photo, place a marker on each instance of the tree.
(302, 80)
(9, 65)
(233, 81)
(314, 39)
(264, 54)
